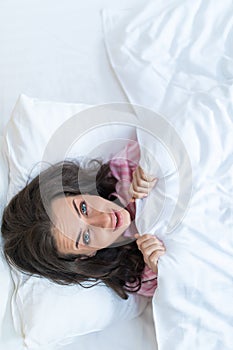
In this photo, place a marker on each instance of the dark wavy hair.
(30, 245)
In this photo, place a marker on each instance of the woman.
(78, 234)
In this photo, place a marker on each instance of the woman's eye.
(86, 238)
(83, 208)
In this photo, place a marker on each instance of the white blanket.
(176, 58)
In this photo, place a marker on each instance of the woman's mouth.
(118, 219)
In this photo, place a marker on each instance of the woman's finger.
(152, 261)
(152, 248)
(154, 257)
(147, 253)
(139, 192)
(140, 179)
(143, 189)
(141, 184)
(148, 243)
(137, 195)
(156, 254)
(145, 237)
(148, 248)
(143, 175)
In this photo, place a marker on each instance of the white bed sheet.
(176, 58)
(54, 50)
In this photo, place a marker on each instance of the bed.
(173, 62)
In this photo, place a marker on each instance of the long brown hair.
(30, 245)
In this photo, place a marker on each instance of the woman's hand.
(152, 248)
(141, 184)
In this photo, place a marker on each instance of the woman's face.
(87, 223)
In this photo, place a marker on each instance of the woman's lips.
(118, 219)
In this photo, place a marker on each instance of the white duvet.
(176, 58)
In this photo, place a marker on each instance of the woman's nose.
(100, 219)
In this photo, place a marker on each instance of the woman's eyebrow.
(80, 232)
(78, 239)
(76, 209)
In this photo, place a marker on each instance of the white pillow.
(49, 315)
(45, 130)
(44, 312)
(31, 125)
